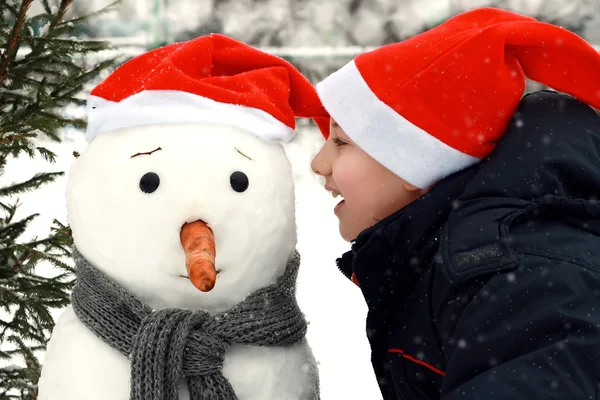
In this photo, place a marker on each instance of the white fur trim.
(153, 107)
(402, 147)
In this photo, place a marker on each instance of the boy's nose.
(321, 163)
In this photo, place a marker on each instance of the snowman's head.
(132, 190)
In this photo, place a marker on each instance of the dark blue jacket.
(488, 287)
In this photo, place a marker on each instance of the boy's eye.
(338, 142)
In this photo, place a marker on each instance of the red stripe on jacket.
(415, 360)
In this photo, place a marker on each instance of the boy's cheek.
(350, 174)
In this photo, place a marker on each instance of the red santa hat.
(437, 103)
(212, 78)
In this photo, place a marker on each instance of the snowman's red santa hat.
(212, 78)
(436, 103)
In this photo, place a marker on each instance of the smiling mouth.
(187, 277)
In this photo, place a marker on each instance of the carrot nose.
(198, 243)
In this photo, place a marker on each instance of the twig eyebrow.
(248, 157)
(146, 153)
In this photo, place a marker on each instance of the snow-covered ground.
(333, 305)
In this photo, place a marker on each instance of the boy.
(482, 280)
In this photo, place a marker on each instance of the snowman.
(182, 210)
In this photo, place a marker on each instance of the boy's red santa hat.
(212, 78)
(437, 103)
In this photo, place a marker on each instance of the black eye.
(239, 181)
(149, 182)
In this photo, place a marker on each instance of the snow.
(333, 305)
(43, 32)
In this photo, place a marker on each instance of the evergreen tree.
(41, 73)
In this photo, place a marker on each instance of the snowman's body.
(81, 366)
(133, 237)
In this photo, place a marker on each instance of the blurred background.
(318, 37)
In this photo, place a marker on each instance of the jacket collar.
(384, 257)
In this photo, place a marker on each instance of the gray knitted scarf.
(167, 345)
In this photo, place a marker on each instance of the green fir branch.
(13, 40)
(12, 8)
(104, 10)
(31, 184)
(15, 150)
(41, 72)
(46, 154)
(70, 46)
(9, 233)
(47, 7)
(40, 19)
